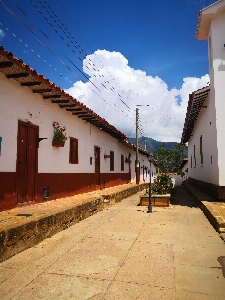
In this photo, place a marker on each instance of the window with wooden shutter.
(201, 151)
(73, 151)
(111, 161)
(194, 157)
(122, 162)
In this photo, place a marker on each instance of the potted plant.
(162, 185)
(160, 191)
(59, 137)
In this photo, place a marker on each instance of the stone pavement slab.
(25, 226)
(214, 210)
(122, 253)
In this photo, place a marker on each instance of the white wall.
(18, 102)
(177, 179)
(185, 171)
(217, 79)
(205, 126)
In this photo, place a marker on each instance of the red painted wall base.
(59, 185)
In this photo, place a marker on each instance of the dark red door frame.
(27, 161)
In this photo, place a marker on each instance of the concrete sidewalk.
(123, 253)
(214, 211)
(25, 226)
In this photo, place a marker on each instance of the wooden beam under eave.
(16, 75)
(51, 96)
(66, 105)
(60, 101)
(31, 83)
(85, 116)
(80, 113)
(39, 91)
(5, 64)
(94, 122)
(74, 109)
(88, 117)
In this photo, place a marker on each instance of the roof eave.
(14, 68)
(195, 103)
(205, 16)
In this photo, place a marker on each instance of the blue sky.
(145, 51)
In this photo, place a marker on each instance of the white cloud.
(2, 34)
(163, 120)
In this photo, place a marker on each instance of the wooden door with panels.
(97, 165)
(27, 157)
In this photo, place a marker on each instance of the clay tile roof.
(14, 68)
(132, 146)
(195, 103)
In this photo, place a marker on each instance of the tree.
(168, 160)
(163, 156)
(180, 151)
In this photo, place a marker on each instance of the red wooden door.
(26, 161)
(97, 165)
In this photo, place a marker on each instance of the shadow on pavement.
(180, 196)
(221, 260)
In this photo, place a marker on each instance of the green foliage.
(151, 144)
(168, 160)
(59, 133)
(163, 183)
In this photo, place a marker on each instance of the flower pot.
(157, 200)
(58, 144)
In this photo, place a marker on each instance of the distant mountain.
(151, 144)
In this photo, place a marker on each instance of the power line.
(22, 23)
(40, 57)
(83, 51)
(120, 97)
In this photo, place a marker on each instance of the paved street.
(124, 253)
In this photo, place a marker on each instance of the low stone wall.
(35, 229)
(209, 207)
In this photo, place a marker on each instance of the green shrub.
(162, 184)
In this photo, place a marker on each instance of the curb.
(206, 204)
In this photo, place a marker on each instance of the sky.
(113, 55)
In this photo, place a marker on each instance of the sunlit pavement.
(124, 253)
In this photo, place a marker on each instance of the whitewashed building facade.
(96, 155)
(204, 127)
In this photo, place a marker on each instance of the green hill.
(151, 144)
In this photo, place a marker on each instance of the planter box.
(157, 200)
(58, 144)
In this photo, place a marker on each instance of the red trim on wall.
(67, 184)
(60, 185)
(7, 190)
(63, 185)
(114, 179)
(215, 191)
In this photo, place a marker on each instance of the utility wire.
(50, 41)
(89, 47)
(47, 46)
(120, 98)
(40, 57)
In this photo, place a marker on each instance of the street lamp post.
(150, 159)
